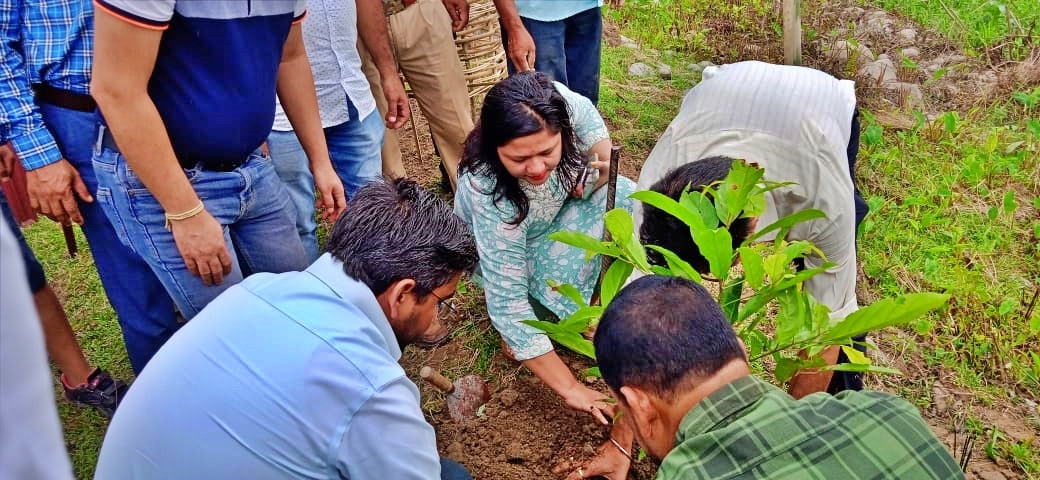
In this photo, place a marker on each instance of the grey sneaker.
(101, 392)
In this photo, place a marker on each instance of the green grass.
(977, 24)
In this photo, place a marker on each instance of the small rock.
(878, 14)
(911, 52)
(629, 43)
(940, 398)
(695, 68)
(705, 64)
(640, 69)
(877, 26)
(842, 52)
(907, 35)
(911, 93)
(880, 71)
(664, 71)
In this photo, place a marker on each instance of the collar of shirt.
(329, 271)
(721, 405)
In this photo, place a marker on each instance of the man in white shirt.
(801, 126)
(353, 129)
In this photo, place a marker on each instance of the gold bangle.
(171, 217)
(619, 447)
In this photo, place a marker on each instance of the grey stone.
(877, 26)
(842, 52)
(880, 71)
(910, 92)
(852, 13)
(705, 64)
(907, 35)
(910, 52)
(695, 68)
(629, 43)
(640, 69)
(664, 71)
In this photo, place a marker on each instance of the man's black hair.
(395, 229)
(660, 333)
(662, 229)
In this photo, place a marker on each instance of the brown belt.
(64, 98)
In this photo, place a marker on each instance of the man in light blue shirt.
(296, 375)
(561, 38)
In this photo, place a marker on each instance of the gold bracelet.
(619, 447)
(170, 217)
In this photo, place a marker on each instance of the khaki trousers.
(422, 41)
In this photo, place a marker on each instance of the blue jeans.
(354, 147)
(451, 470)
(33, 269)
(568, 50)
(249, 201)
(144, 309)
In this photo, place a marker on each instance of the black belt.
(64, 98)
(109, 142)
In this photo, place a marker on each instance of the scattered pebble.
(629, 43)
(640, 69)
(910, 52)
(664, 71)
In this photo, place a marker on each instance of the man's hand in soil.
(585, 399)
(200, 241)
(53, 190)
(332, 199)
(608, 463)
(458, 10)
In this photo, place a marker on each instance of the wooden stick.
(70, 240)
(792, 32)
(436, 379)
(615, 161)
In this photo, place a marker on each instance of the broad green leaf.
(659, 270)
(576, 342)
(1009, 202)
(580, 320)
(1007, 306)
(729, 299)
(593, 372)
(591, 245)
(667, 205)
(792, 317)
(569, 291)
(775, 266)
(787, 222)
(700, 203)
(734, 190)
(717, 247)
(885, 313)
(799, 249)
(855, 356)
(547, 327)
(786, 367)
(754, 271)
(755, 343)
(619, 223)
(613, 280)
(677, 267)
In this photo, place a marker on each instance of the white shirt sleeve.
(31, 444)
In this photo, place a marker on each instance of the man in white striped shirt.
(801, 126)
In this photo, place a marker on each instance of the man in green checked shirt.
(681, 378)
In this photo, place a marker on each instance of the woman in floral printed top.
(520, 180)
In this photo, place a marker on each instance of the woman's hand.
(584, 399)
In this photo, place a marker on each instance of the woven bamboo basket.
(480, 50)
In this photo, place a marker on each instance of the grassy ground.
(955, 208)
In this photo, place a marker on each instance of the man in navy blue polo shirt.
(187, 92)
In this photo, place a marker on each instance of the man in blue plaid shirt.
(48, 116)
(682, 381)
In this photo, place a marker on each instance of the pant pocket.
(104, 198)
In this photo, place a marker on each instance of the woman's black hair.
(523, 104)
